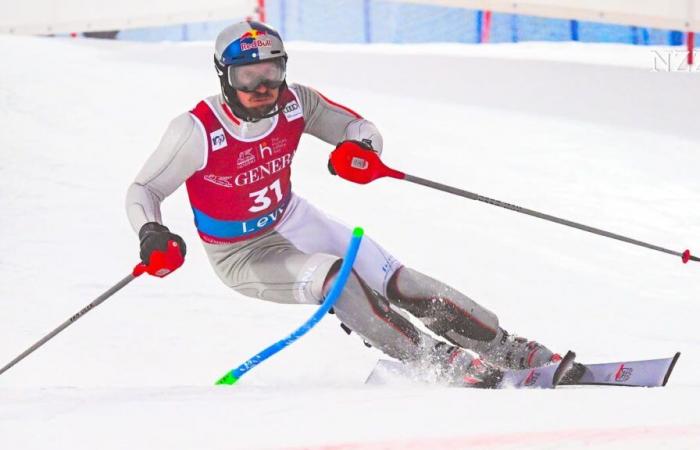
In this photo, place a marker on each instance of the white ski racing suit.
(289, 252)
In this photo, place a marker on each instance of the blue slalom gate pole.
(348, 261)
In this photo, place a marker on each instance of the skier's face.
(260, 101)
(258, 85)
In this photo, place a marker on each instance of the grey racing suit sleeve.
(180, 153)
(334, 123)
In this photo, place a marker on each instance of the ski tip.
(670, 368)
(565, 365)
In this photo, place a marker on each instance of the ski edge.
(670, 368)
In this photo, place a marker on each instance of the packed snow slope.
(587, 132)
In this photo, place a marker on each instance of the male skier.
(234, 152)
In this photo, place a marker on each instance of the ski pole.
(161, 264)
(337, 288)
(354, 163)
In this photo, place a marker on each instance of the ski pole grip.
(161, 263)
(354, 163)
(139, 269)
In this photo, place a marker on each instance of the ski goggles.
(250, 77)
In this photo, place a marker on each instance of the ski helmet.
(244, 44)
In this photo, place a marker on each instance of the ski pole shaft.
(354, 163)
(472, 196)
(72, 319)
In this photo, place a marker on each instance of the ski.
(547, 377)
(645, 373)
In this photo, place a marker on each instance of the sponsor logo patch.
(264, 150)
(219, 181)
(532, 378)
(292, 111)
(388, 264)
(218, 140)
(245, 158)
(623, 373)
(253, 34)
(253, 39)
(278, 144)
(359, 163)
(263, 171)
(304, 286)
(255, 44)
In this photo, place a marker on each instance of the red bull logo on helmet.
(254, 39)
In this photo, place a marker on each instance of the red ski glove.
(162, 252)
(359, 145)
(357, 162)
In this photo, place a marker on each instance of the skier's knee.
(330, 276)
(315, 277)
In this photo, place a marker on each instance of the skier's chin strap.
(244, 113)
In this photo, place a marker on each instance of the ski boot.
(459, 367)
(513, 352)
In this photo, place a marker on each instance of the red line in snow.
(584, 437)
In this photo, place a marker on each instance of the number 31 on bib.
(261, 201)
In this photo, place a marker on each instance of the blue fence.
(368, 21)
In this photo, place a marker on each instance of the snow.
(585, 132)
